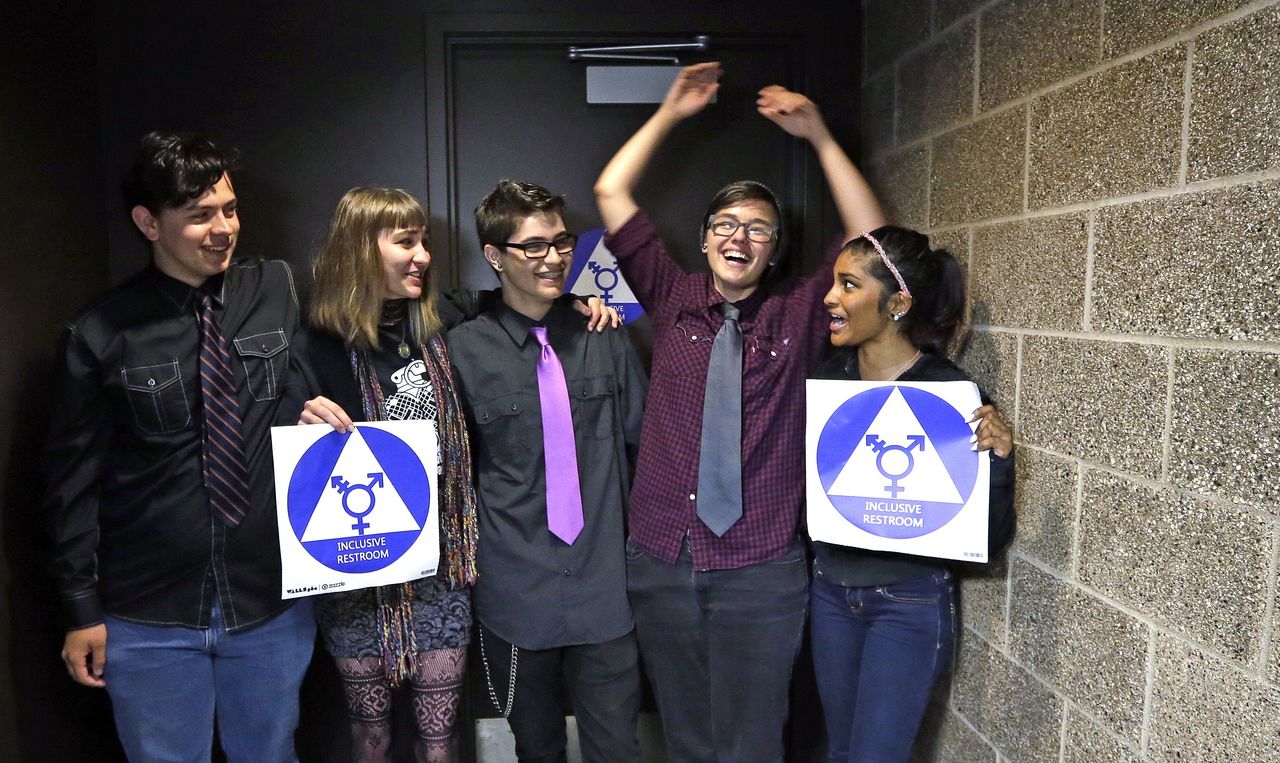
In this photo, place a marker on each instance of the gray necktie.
(720, 459)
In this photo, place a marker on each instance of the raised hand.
(792, 111)
(692, 90)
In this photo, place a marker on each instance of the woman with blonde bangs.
(347, 299)
(375, 347)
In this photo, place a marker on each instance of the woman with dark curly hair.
(883, 625)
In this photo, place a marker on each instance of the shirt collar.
(713, 298)
(517, 324)
(181, 294)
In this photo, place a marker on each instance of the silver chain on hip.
(488, 677)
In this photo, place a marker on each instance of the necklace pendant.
(404, 350)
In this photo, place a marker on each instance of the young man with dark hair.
(555, 411)
(160, 498)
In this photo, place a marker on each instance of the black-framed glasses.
(536, 250)
(724, 227)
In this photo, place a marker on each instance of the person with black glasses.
(555, 415)
(715, 562)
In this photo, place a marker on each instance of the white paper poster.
(890, 467)
(355, 510)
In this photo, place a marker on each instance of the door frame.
(802, 34)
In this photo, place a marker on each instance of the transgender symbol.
(896, 461)
(881, 449)
(606, 278)
(346, 489)
(322, 501)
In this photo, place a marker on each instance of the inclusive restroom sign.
(355, 510)
(595, 271)
(890, 467)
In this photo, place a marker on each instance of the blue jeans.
(877, 651)
(167, 685)
(719, 646)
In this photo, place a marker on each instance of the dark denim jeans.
(718, 647)
(877, 651)
(603, 683)
(168, 684)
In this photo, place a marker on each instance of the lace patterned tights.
(435, 688)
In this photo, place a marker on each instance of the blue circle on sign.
(846, 431)
(313, 476)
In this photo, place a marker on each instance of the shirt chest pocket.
(266, 358)
(765, 357)
(592, 404)
(503, 426)
(157, 398)
(690, 348)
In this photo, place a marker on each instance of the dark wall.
(53, 257)
(319, 96)
(325, 95)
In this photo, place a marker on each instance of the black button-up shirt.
(533, 589)
(132, 529)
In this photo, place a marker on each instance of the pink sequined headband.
(902, 285)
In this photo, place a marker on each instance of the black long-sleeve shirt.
(851, 567)
(128, 511)
(532, 589)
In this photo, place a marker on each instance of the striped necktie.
(225, 473)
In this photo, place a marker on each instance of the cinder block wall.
(1109, 170)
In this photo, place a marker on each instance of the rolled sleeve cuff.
(82, 610)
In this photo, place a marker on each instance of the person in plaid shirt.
(720, 612)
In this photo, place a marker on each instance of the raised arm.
(692, 90)
(856, 203)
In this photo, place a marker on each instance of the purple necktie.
(564, 498)
(225, 473)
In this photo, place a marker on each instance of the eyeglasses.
(724, 227)
(536, 250)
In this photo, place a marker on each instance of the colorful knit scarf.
(456, 498)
